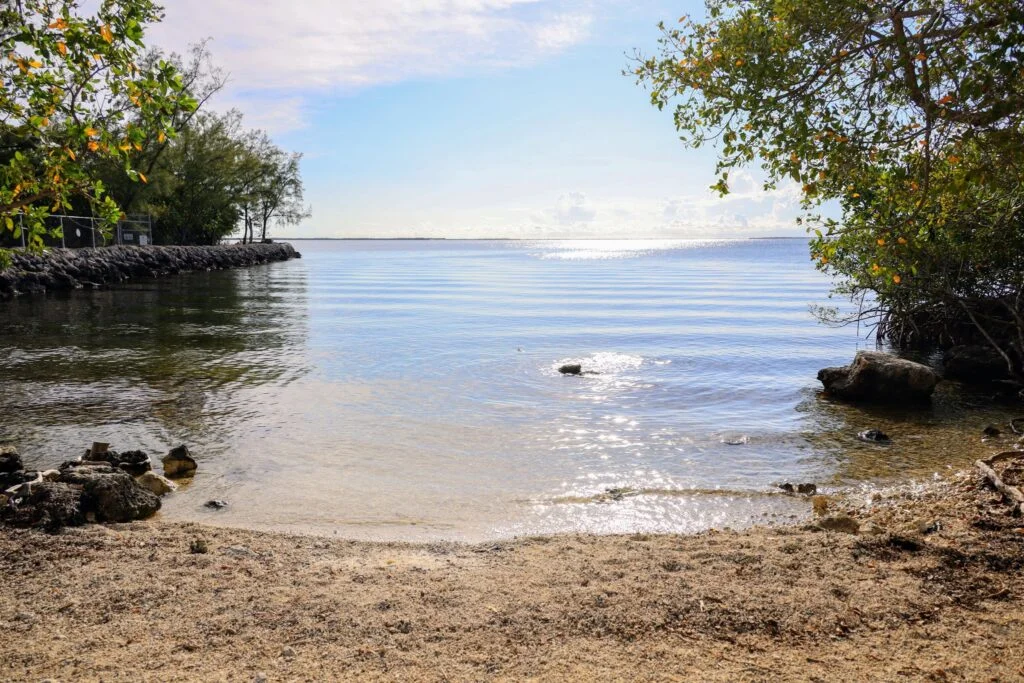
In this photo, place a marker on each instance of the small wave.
(603, 363)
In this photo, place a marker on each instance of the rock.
(10, 461)
(151, 481)
(179, 463)
(842, 523)
(974, 364)
(260, 678)
(50, 475)
(874, 436)
(808, 489)
(991, 431)
(51, 505)
(238, 551)
(288, 653)
(199, 547)
(133, 462)
(11, 480)
(110, 494)
(571, 369)
(879, 377)
(216, 504)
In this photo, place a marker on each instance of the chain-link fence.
(76, 232)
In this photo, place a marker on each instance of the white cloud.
(573, 209)
(312, 45)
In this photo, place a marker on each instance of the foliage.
(275, 191)
(76, 92)
(909, 114)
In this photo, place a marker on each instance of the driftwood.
(1010, 493)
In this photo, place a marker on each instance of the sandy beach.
(932, 588)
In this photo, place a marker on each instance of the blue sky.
(472, 118)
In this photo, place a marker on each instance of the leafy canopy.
(907, 113)
(75, 91)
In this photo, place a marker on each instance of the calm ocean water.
(408, 389)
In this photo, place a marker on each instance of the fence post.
(92, 230)
(62, 244)
(21, 224)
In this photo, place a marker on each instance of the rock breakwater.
(62, 269)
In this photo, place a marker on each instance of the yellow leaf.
(35, 64)
(124, 146)
(91, 132)
(881, 242)
(739, 62)
(142, 177)
(921, 56)
(105, 32)
(70, 154)
(62, 48)
(856, 195)
(58, 24)
(93, 146)
(902, 240)
(138, 147)
(953, 159)
(875, 267)
(896, 279)
(160, 137)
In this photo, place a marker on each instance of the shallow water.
(409, 389)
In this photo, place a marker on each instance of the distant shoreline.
(523, 239)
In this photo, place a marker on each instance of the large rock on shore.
(51, 505)
(58, 269)
(179, 463)
(110, 494)
(879, 377)
(134, 463)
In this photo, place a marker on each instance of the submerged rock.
(179, 463)
(879, 377)
(110, 494)
(874, 436)
(216, 504)
(571, 369)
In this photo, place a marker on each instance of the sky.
(472, 118)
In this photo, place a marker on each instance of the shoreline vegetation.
(66, 269)
(930, 587)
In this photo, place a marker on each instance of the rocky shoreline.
(65, 269)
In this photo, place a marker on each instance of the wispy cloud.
(309, 46)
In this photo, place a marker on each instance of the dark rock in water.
(216, 504)
(809, 489)
(571, 369)
(179, 463)
(974, 365)
(991, 430)
(874, 436)
(879, 377)
(51, 505)
(110, 494)
(132, 462)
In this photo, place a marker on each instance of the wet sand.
(932, 588)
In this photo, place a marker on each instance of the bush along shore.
(63, 269)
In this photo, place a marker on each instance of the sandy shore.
(931, 589)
